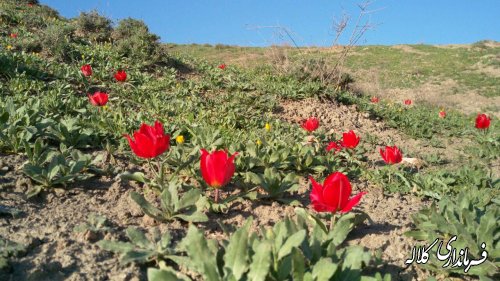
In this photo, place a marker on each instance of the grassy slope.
(470, 71)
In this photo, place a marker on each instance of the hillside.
(463, 77)
(122, 158)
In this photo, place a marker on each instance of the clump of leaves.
(274, 184)
(289, 250)
(142, 249)
(49, 168)
(95, 223)
(187, 207)
(473, 217)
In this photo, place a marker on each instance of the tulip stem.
(160, 172)
(333, 221)
(216, 195)
(155, 173)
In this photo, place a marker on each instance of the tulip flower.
(333, 195)
(121, 76)
(86, 70)
(374, 99)
(149, 141)
(483, 121)
(98, 98)
(222, 66)
(408, 102)
(13, 35)
(179, 139)
(310, 124)
(335, 146)
(350, 140)
(217, 169)
(391, 155)
(442, 114)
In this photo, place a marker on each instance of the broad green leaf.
(324, 269)
(147, 207)
(298, 265)
(236, 257)
(165, 274)
(138, 238)
(293, 241)
(261, 261)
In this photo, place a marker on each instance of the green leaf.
(165, 274)
(203, 259)
(298, 265)
(236, 257)
(115, 246)
(34, 191)
(261, 261)
(194, 217)
(293, 241)
(354, 257)
(137, 256)
(342, 228)
(53, 168)
(324, 269)
(137, 176)
(189, 198)
(146, 207)
(138, 238)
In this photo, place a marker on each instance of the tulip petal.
(336, 191)
(145, 146)
(353, 202)
(203, 167)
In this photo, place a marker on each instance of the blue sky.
(242, 22)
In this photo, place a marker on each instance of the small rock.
(90, 236)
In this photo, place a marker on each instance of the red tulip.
(334, 194)
(222, 66)
(217, 168)
(310, 124)
(98, 98)
(86, 70)
(391, 155)
(13, 35)
(350, 140)
(121, 76)
(442, 114)
(483, 121)
(149, 141)
(408, 102)
(374, 99)
(335, 146)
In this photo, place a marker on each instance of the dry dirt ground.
(56, 252)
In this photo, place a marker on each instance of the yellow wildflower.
(258, 142)
(179, 139)
(268, 127)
